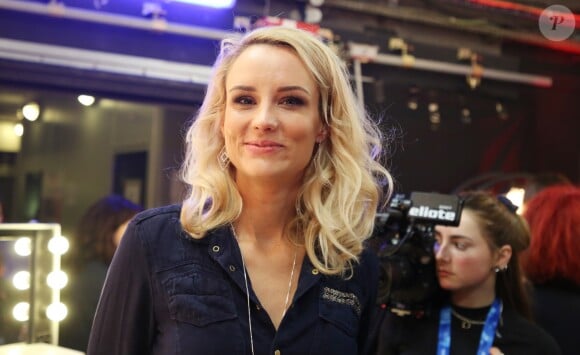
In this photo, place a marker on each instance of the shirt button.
(277, 352)
(232, 268)
(215, 248)
(314, 271)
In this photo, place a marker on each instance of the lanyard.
(487, 333)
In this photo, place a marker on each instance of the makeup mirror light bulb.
(22, 246)
(57, 280)
(56, 311)
(58, 245)
(20, 311)
(21, 280)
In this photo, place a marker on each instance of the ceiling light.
(412, 104)
(218, 4)
(435, 118)
(31, 111)
(466, 115)
(433, 107)
(86, 100)
(19, 129)
(501, 111)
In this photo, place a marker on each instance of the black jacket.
(166, 293)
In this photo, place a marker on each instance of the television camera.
(403, 239)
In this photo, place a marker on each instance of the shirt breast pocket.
(198, 296)
(341, 309)
(339, 313)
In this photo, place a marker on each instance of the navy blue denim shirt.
(167, 293)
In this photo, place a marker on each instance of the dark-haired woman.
(486, 311)
(97, 236)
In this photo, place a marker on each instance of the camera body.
(403, 239)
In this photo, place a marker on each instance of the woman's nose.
(440, 251)
(266, 118)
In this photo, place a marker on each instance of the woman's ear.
(504, 255)
(322, 134)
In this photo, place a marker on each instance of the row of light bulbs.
(31, 112)
(56, 279)
(435, 115)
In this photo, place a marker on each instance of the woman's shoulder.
(367, 266)
(157, 230)
(520, 329)
(158, 214)
(158, 222)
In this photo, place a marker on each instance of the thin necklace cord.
(247, 298)
(248, 290)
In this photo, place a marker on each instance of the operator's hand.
(495, 351)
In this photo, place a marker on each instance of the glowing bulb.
(516, 196)
(19, 129)
(22, 246)
(220, 4)
(313, 15)
(20, 311)
(433, 107)
(86, 100)
(435, 118)
(58, 245)
(31, 111)
(56, 311)
(57, 279)
(21, 280)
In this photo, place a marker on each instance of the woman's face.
(464, 259)
(271, 120)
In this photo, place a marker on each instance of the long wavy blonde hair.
(344, 182)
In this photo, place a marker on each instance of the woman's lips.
(263, 146)
(443, 273)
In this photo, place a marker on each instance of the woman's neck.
(266, 211)
(476, 299)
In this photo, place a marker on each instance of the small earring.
(223, 159)
(496, 269)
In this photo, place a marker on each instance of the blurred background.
(470, 92)
(95, 96)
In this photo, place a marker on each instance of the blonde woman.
(265, 255)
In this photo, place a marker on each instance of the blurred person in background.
(552, 262)
(539, 181)
(96, 238)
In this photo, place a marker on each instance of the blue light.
(220, 4)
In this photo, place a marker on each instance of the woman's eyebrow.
(282, 89)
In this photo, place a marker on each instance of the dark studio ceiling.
(488, 20)
(505, 34)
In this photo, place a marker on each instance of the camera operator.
(484, 309)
